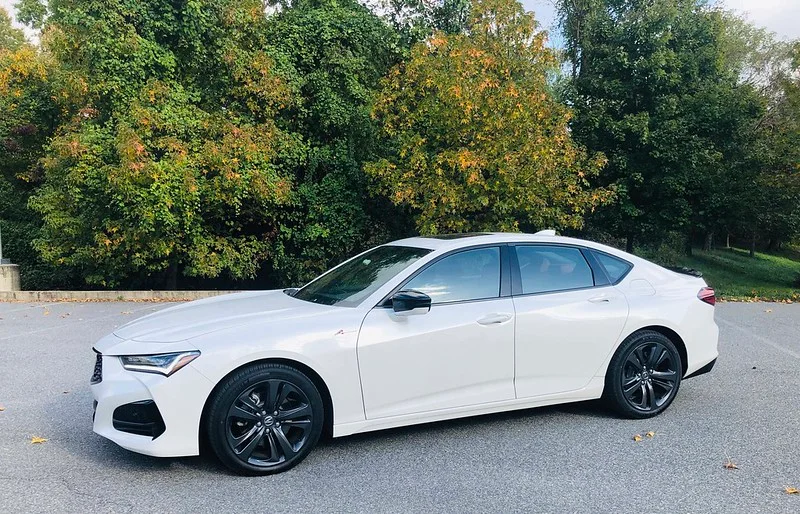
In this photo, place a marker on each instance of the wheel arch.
(322, 387)
(676, 339)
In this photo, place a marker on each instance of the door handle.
(599, 299)
(494, 318)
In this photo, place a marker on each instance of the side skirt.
(592, 391)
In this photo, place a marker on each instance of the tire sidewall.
(232, 386)
(613, 389)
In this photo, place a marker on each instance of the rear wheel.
(264, 419)
(644, 375)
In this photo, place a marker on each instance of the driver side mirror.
(410, 303)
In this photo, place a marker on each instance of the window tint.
(350, 283)
(615, 268)
(467, 275)
(552, 268)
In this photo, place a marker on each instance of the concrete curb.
(107, 296)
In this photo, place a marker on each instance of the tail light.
(707, 295)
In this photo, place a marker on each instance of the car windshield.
(349, 284)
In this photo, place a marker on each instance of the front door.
(458, 354)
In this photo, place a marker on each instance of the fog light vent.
(140, 418)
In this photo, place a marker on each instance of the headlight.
(164, 363)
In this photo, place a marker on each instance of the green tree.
(652, 90)
(415, 20)
(477, 139)
(11, 38)
(33, 104)
(776, 152)
(338, 51)
(173, 163)
(211, 138)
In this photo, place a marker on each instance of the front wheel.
(264, 419)
(644, 375)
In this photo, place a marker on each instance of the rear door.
(568, 318)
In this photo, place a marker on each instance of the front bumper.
(178, 399)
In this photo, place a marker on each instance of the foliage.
(11, 38)
(32, 12)
(478, 141)
(652, 90)
(338, 51)
(415, 20)
(211, 138)
(33, 105)
(166, 167)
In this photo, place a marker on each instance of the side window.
(467, 275)
(552, 268)
(615, 268)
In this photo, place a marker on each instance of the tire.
(264, 419)
(644, 375)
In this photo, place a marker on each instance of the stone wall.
(9, 277)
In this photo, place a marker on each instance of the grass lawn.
(736, 276)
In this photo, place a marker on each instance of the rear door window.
(546, 269)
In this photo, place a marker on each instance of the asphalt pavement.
(572, 458)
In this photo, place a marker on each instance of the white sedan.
(414, 331)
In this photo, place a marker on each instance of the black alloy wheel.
(644, 375)
(265, 419)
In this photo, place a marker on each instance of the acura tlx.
(414, 331)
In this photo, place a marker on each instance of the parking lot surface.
(572, 458)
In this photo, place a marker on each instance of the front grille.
(140, 418)
(97, 375)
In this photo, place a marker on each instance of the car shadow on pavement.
(590, 409)
(105, 454)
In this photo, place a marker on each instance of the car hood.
(193, 319)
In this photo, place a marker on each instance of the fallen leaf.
(125, 312)
(2, 408)
(650, 434)
(768, 310)
(64, 392)
(46, 313)
(791, 490)
(729, 464)
(637, 438)
(38, 440)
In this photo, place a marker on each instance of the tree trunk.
(753, 245)
(774, 244)
(629, 243)
(728, 241)
(172, 276)
(709, 241)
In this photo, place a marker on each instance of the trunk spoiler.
(686, 271)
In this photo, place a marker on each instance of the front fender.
(329, 349)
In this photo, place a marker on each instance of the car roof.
(455, 241)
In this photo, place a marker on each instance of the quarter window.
(552, 268)
(468, 275)
(615, 268)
